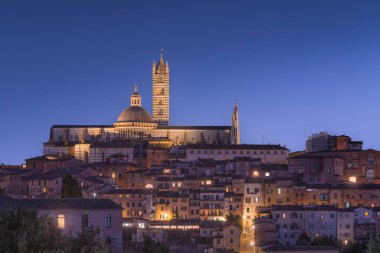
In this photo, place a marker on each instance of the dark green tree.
(373, 245)
(70, 187)
(235, 219)
(303, 240)
(89, 240)
(325, 241)
(151, 246)
(225, 251)
(353, 248)
(22, 231)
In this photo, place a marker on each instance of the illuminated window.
(255, 173)
(279, 190)
(208, 182)
(179, 184)
(149, 186)
(352, 179)
(113, 175)
(61, 221)
(283, 215)
(366, 214)
(267, 174)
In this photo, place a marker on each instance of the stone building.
(95, 143)
(12, 183)
(71, 215)
(266, 153)
(47, 163)
(292, 220)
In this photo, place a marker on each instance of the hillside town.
(198, 188)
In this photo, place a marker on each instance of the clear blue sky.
(296, 67)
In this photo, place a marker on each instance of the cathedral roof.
(135, 114)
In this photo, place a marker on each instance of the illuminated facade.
(95, 143)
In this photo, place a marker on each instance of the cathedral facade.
(93, 143)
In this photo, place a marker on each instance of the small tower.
(135, 98)
(160, 92)
(235, 132)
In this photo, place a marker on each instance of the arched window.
(371, 161)
(149, 186)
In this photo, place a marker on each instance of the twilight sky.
(296, 67)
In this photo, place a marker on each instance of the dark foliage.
(70, 187)
(151, 246)
(235, 219)
(303, 240)
(22, 231)
(325, 241)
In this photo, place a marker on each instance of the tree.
(325, 241)
(235, 219)
(303, 240)
(70, 187)
(225, 251)
(357, 247)
(373, 245)
(22, 231)
(89, 240)
(151, 246)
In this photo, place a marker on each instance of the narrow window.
(84, 220)
(61, 221)
(107, 221)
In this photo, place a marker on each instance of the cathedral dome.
(135, 114)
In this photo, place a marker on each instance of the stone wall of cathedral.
(72, 135)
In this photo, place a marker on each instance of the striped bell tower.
(161, 92)
(235, 131)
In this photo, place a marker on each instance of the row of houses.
(158, 194)
(286, 223)
(155, 153)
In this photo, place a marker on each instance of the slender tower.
(235, 132)
(161, 92)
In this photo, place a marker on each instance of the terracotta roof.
(236, 146)
(280, 248)
(127, 191)
(58, 204)
(303, 208)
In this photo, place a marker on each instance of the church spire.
(160, 91)
(235, 131)
(161, 66)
